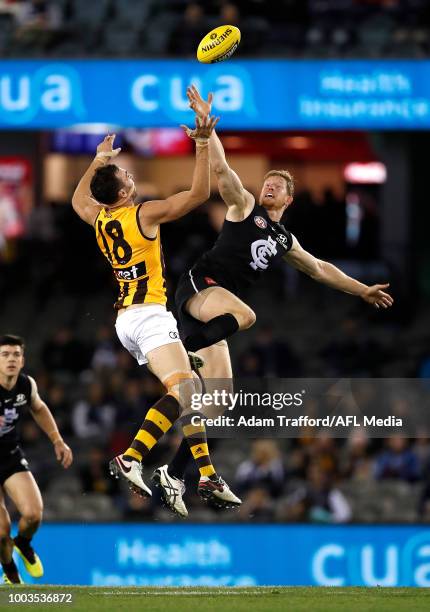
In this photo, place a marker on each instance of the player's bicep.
(151, 213)
(85, 209)
(231, 189)
(302, 260)
(162, 211)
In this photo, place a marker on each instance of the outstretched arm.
(327, 273)
(229, 184)
(43, 417)
(153, 213)
(81, 200)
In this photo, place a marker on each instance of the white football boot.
(172, 490)
(216, 492)
(130, 471)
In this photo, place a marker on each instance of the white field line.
(170, 592)
(217, 591)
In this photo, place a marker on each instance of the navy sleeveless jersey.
(12, 404)
(245, 250)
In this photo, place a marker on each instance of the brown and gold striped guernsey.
(137, 260)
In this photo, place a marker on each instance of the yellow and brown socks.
(195, 436)
(159, 419)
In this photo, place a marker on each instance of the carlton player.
(18, 393)
(208, 297)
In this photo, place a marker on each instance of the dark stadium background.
(57, 291)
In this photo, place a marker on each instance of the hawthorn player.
(128, 235)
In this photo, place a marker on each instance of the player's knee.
(185, 391)
(246, 318)
(33, 516)
(188, 395)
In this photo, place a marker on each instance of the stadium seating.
(317, 28)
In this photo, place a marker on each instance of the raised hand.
(201, 107)
(203, 130)
(377, 297)
(105, 148)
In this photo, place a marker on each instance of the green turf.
(264, 599)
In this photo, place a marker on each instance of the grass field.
(264, 599)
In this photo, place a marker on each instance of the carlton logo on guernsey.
(136, 260)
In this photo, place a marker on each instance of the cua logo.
(377, 564)
(53, 88)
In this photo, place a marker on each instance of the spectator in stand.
(93, 416)
(189, 31)
(37, 23)
(127, 365)
(94, 474)
(60, 407)
(351, 354)
(253, 29)
(297, 461)
(423, 509)
(275, 354)
(230, 13)
(257, 505)
(324, 452)
(398, 461)
(249, 365)
(131, 406)
(264, 469)
(105, 356)
(421, 448)
(356, 460)
(318, 501)
(133, 396)
(151, 389)
(64, 354)
(138, 508)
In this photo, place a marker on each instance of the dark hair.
(9, 339)
(105, 184)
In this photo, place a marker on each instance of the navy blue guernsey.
(245, 250)
(12, 404)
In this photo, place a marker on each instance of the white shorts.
(143, 329)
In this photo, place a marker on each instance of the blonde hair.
(287, 176)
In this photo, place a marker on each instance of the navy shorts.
(11, 463)
(191, 282)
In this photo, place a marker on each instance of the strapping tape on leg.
(176, 379)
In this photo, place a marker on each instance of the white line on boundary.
(184, 593)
